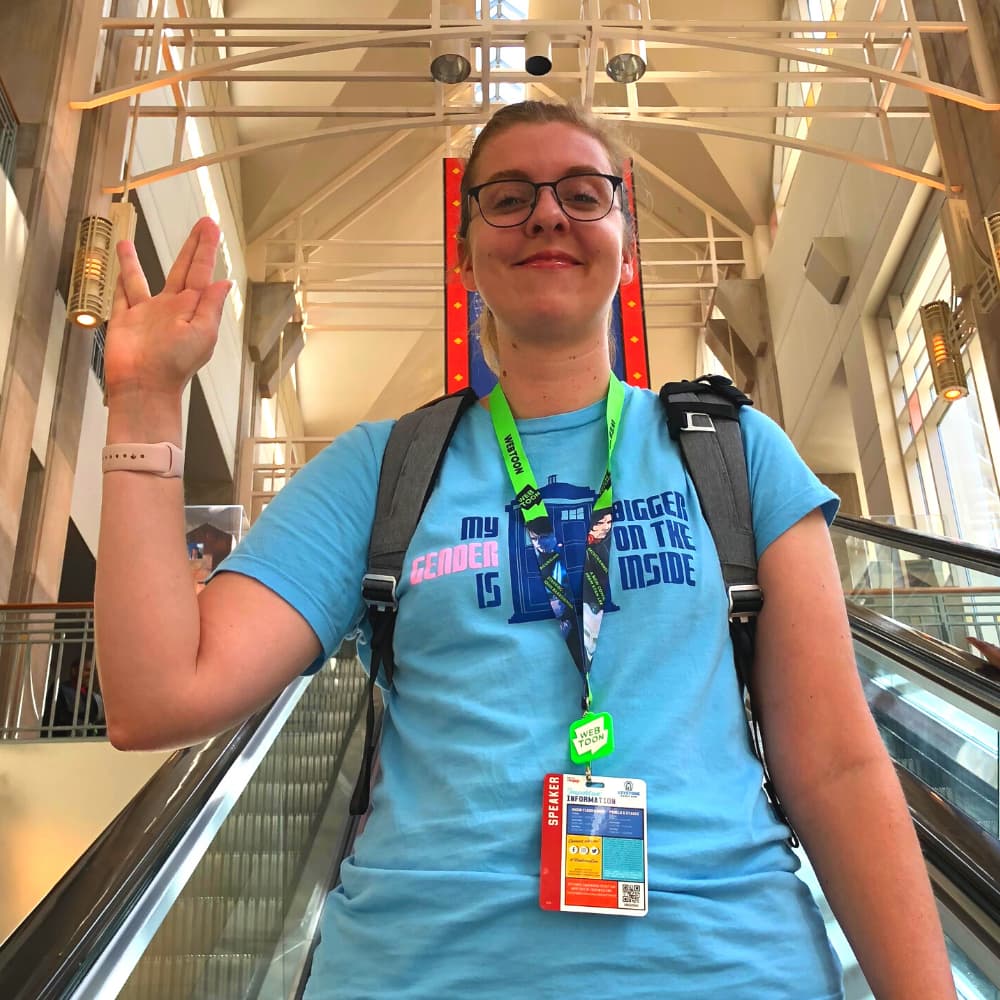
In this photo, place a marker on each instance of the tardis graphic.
(464, 364)
(570, 508)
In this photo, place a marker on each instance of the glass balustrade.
(951, 746)
(943, 599)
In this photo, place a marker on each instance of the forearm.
(857, 831)
(145, 604)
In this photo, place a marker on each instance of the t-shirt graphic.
(570, 509)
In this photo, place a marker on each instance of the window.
(950, 451)
(506, 57)
(8, 135)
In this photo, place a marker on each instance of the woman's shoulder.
(365, 442)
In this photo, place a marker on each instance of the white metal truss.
(883, 61)
(330, 289)
(886, 55)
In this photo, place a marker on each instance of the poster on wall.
(464, 364)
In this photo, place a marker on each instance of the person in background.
(79, 707)
(989, 651)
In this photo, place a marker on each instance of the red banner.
(456, 299)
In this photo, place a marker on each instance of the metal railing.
(8, 135)
(948, 589)
(268, 463)
(947, 550)
(48, 673)
(950, 614)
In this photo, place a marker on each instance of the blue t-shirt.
(440, 898)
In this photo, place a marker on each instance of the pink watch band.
(163, 459)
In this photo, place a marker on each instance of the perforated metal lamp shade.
(90, 282)
(944, 350)
(993, 234)
(95, 264)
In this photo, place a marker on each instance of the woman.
(441, 895)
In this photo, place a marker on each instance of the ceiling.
(365, 170)
(399, 195)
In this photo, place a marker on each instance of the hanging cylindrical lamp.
(95, 264)
(626, 57)
(90, 286)
(451, 57)
(537, 53)
(993, 234)
(944, 350)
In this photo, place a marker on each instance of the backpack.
(702, 416)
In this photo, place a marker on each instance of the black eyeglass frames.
(583, 197)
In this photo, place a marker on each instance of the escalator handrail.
(955, 844)
(52, 950)
(963, 674)
(949, 550)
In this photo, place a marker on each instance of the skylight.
(505, 57)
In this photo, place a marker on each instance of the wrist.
(143, 417)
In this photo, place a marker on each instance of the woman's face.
(550, 274)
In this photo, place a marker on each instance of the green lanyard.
(592, 736)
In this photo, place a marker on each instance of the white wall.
(831, 198)
(85, 507)
(814, 340)
(13, 240)
(56, 797)
(50, 376)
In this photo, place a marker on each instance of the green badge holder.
(591, 738)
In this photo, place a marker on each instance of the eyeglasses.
(583, 197)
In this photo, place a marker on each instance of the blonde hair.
(539, 113)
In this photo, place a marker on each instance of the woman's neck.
(539, 381)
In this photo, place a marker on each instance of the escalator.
(211, 883)
(912, 601)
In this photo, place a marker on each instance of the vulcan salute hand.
(156, 343)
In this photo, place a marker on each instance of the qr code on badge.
(630, 895)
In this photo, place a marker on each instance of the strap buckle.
(698, 422)
(745, 601)
(379, 591)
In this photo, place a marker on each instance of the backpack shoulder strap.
(411, 464)
(703, 417)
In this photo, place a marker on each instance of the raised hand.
(156, 343)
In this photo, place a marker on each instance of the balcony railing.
(48, 672)
(267, 463)
(8, 134)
